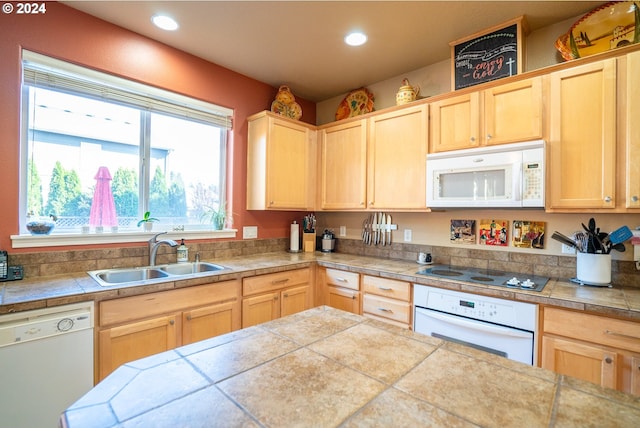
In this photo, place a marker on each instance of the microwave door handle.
(484, 328)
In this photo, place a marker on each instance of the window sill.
(68, 239)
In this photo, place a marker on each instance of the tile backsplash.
(59, 262)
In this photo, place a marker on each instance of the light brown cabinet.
(387, 299)
(271, 296)
(343, 169)
(365, 163)
(502, 114)
(582, 142)
(631, 132)
(598, 349)
(341, 289)
(281, 163)
(133, 327)
(397, 159)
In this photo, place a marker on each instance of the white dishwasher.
(46, 363)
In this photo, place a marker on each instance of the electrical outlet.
(343, 230)
(407, 235)
(249, 232)
(567, 249)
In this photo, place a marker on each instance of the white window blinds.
(46, 72)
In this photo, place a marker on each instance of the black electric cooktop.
(487, 276)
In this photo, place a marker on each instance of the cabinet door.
(583, 137)
(296, 300)
(261, 308)
(209, 321)
(632, 149)
(455, 123)
(287, 170)
(397, 159)
(343, 178)
(344, 299)
(122, 344)
(513, 112)
(583, 361)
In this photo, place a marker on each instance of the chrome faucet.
(154, 244)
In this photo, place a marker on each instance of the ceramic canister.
(594, 269)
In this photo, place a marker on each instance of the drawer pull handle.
(188, 317)
(353, 296)
(341, 279)
(172, 322)
(608, 360)
(279, 281)
(615, 333)
(385, 310)
(286, 295)
(385, 288)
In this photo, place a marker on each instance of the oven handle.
(477, 325)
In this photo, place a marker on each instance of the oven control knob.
(513, 281)
(527, 284)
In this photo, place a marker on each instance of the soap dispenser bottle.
(183, 253)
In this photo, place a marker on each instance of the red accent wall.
(73, 36)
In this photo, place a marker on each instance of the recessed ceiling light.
(165, 22)
(355, 39)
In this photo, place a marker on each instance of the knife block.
(308, 242)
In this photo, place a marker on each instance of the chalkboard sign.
(489, 55)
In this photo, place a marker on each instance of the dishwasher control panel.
(42, 323)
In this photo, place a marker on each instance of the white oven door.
(504, 341)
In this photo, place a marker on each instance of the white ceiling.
(300, 43)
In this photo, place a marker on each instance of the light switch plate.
(249, 232)
(407, 235)
(343, 230)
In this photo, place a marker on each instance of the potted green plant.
(147, 221)
(215, 216)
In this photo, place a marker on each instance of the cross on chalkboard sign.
(489, 55)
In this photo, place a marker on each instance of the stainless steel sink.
(119, 276)
(190, 268)
(153, 274)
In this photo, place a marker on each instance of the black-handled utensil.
(565, 240)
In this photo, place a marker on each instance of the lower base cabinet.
(601, 350)
(271, 296)
(134, 327)
(387, 300)
(341, 289)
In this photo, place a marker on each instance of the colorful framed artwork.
(488, 55)
(529, 234)
(463, 231)
(494, 232)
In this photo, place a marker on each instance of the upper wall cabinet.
(376, 163)
(582, 137)
(397, 159)
(632, 132)
(502, 114)
(343, 168)
(281, 163)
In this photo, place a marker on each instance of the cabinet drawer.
(341, 278)
(275, 281)
(143, 306)
(387, 287)
(593, 328)
(387, 308)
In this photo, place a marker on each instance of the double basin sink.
(153, 274)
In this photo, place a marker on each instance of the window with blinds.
(99, 151)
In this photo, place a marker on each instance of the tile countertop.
(33, 293)
(325, 367)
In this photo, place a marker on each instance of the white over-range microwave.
(507, 175)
